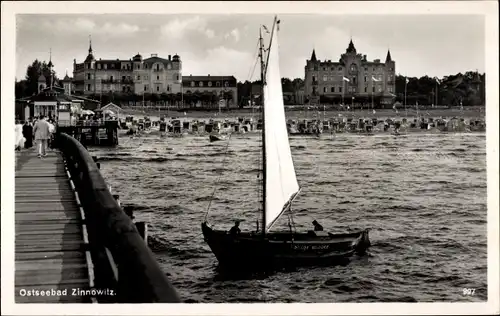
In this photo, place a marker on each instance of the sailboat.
(264, 249)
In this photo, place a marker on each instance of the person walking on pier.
(42, 134)
(28, 134)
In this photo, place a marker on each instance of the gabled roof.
(152, 60)
(110, 105)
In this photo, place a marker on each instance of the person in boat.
(317, 226)
(235, 230)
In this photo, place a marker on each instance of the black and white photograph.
(289, 152)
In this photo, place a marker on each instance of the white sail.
(281, 180)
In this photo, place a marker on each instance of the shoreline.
(469, 113)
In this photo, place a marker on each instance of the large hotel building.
(136, 75)
(352, 79)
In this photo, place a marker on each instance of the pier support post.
(117, 198)
(142, 227)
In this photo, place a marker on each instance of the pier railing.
(122, 261)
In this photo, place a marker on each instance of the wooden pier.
(51, 241)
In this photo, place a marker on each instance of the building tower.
(89, 75)
(67, 84)
(42, 83)
(50, 65)
(177, 76)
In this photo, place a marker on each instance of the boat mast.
(262, 78)
(263, 71)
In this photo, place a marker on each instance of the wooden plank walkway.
(50, 238)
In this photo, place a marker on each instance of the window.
(332, 89)
(210, 83)
(201, 83)
(99, 66)
(353, 68)
(128, 67)
(340, 89)
(324, 89)
(88, 76)
(157, 88)
(226, 84)
(128, 77)
(315, 68)
(168, 88)
(177, 77)
(169, 66)
(217, 84)
(145, 77)
(105, 66)
(123, 78)
(340, 68)
(366, 69)
(365, 78)
(366, 89)
(324, 68)
(157, 67)
(325, 78)
(88, 87)
(390, 89)
(145, 66)
(138, 77)
(192, 83)
(157, 77)
(333, 69)
(332, 78)
(373, 89)
(379, 89)
(314, 78)
(123, 89)
(354, 80)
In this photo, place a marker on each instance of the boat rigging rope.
(250, 73)
(218, 179)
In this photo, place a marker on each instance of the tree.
(33, 73)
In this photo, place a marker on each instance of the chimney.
(169, 57)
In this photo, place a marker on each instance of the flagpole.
(343, 88)
(406, 84)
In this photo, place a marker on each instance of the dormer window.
(210, 83)
(226, 84)
(157, 67)
(218, 84)
(201, 83)
(169, 66)
(192, 83)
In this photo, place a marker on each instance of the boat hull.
(250, 251)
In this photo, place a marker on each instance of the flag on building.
(437, 80)
(407, 80)
(345, 79)
(374, 79)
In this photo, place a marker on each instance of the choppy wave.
(427, 215)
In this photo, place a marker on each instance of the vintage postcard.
(240, 158)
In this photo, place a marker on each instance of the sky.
(433, 45)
